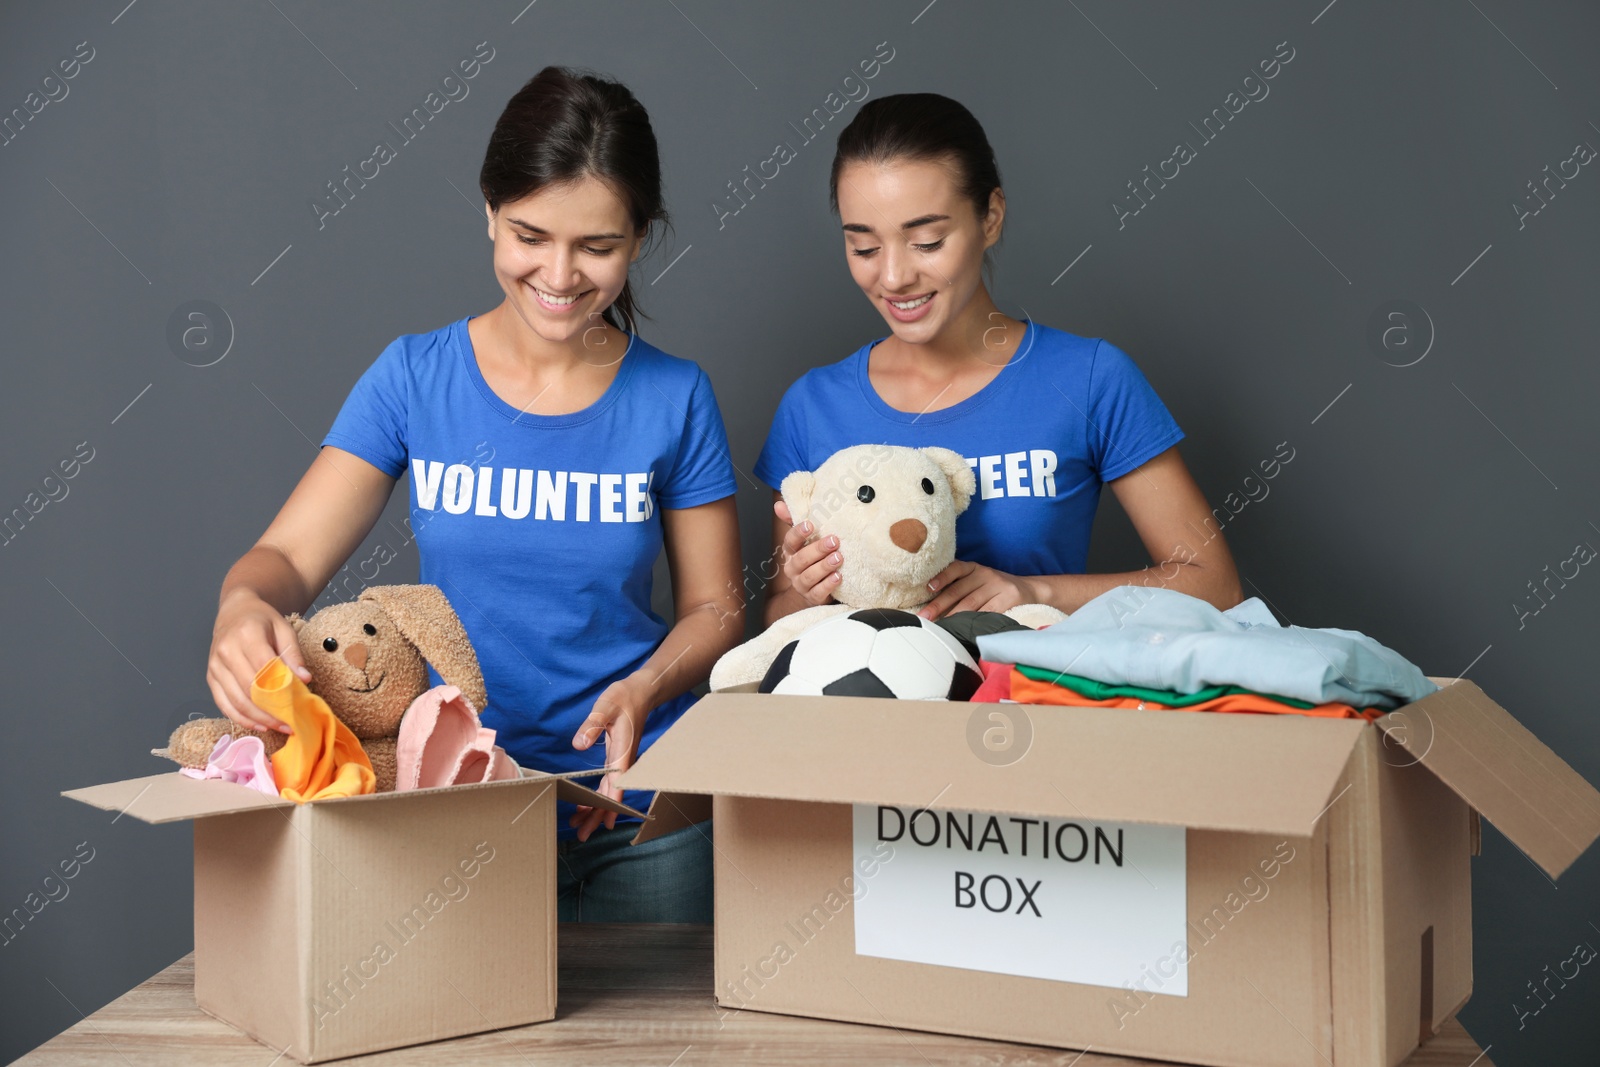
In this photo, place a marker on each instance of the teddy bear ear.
(797, 489)
(957, 472)
(425, 618)
(296, 623)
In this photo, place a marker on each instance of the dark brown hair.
(920, 126)
(564, 125)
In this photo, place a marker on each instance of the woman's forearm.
(266, 572)
(780, 603)
(702, 545)
(335, 505)
(1069, 592)
(690, 649)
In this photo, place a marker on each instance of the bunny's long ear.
(957, 472)
(797, 489)
(423, 615)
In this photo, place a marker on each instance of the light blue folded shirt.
(1164, 639)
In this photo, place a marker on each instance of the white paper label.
(1064, 899)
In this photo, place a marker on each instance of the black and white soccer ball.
(875, 652)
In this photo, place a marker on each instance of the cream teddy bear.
(894, 511)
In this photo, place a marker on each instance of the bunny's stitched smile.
(371, 687)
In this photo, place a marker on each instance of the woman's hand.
(702, 546)
(619, 714)
(249, 632)
(333, 508)
(812, 570)
(966, 586)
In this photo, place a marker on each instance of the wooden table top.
(629, 995)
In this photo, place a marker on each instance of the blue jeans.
(607, 880)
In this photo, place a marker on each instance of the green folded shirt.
(1095, 690)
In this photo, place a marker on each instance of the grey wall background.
(1384, 165)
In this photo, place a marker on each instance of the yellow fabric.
(322, 758)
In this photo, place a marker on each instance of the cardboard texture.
(1354, 949)
(358, 924)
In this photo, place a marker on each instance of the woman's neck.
(541, 377)
(516, 344)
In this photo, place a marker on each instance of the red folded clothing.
(996, 682)
(1002, 681)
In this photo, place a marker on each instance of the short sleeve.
(372, 422)
(702, 471)
(783, 453)
(1129, 425)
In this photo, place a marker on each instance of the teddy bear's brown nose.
(908, 534)
(356, 655)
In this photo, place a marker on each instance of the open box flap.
(672, 811)
(174, 797)
(573, 793)
(1248, 773)
(1495, 764)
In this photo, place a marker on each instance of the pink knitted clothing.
(242, 760)
(442, 743)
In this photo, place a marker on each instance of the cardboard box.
(356, 924)
(1316, 871)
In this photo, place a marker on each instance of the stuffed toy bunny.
(368, 660)
(894, 511)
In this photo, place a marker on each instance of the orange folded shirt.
(1025, 690)
(322, 758)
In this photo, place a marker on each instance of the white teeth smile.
(918, 302)
(551, 298)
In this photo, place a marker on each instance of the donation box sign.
(1063, 899)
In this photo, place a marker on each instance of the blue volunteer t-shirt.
(1065, 415)
(542, 530)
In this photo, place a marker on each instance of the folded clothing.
(1029, 685)
(322, 758)
(241, 760)
(1164, 639)
(1097, 690)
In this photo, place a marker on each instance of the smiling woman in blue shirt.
(553, 452)
(1043, 416)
